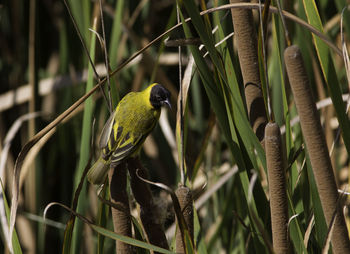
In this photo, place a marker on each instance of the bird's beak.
(167, 102)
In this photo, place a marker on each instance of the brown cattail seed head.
(316, 147)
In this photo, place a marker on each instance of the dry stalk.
(121, 217)
(317, 147)
(277, 188)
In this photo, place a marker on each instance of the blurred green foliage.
(230, 220)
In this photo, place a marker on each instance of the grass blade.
(84, 148)
(328, 71)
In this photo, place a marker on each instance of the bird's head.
(159, 96)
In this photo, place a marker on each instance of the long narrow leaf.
(84, 148)
(328, 71)
(15, 242)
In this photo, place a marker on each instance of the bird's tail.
(98, 172)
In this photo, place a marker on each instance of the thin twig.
(86, 50)
(81, 40)
(286, 33)
(264, 56)
(106, 59)
(182, 149)
(103, 47)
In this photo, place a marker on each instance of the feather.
(106, 131)
(127, 128)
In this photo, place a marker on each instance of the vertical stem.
(316, 147)
(32, 102)
(30, 185)
(106, 60)
(119, 195)
(182, 148)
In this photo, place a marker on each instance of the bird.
(125, 131)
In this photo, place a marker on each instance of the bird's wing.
(127, 146)
(106, 131)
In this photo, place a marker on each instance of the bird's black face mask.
(159, 97)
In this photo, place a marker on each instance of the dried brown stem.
(317, 147)
(277, 188)
(184, 196)
(148, 210)
(248, 57)
(121, 217)
(30, 201)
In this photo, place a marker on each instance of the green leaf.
(328, 71)
(224, 106)
(198, 238)
(295, 231)
(15, 242)
(128, 240)
(114, 46)
(83, 155)
(320, 220)
(103, 215)
(205, 35)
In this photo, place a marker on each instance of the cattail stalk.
(184, 196)
(121, 217)
(317, 148)
(248, 57)
(277, 188)
(148, 210)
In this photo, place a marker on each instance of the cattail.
(121, 217)
(277, 188)
(317, 148)
(248, 57)
(143, 196)
(184, 195)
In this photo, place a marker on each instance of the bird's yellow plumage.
(127, 128)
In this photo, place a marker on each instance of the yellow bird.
(128, 126)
